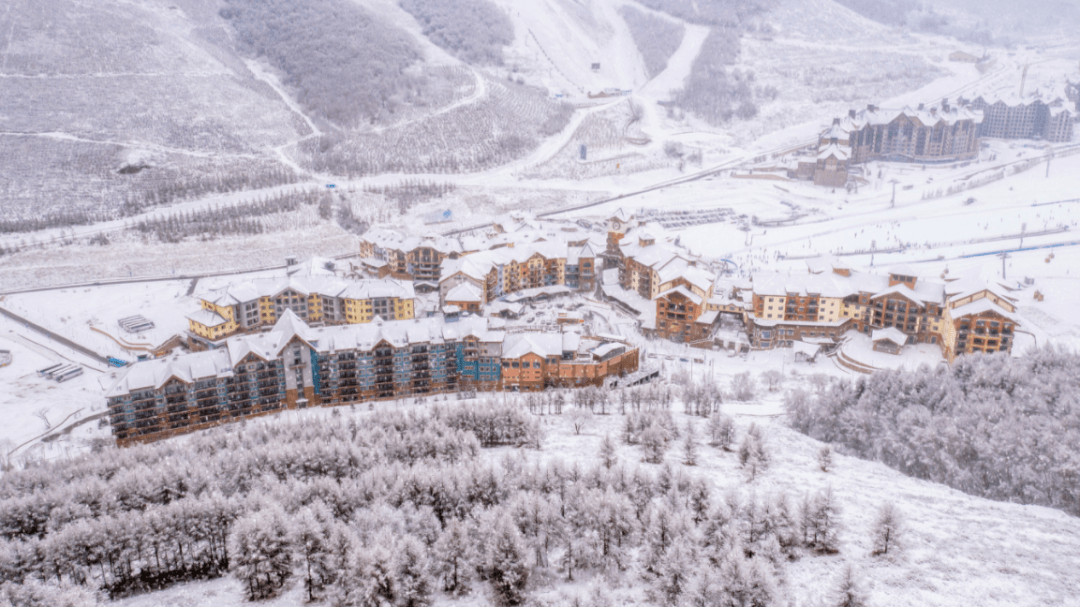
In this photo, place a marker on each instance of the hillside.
(954, 549)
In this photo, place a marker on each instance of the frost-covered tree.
(721, 430)
(608, 455)
(260, 550)
(505, 562)
(849, 591)
(753, 455)
(581, 417)
(413, 576)
(825, 458)
(772, 379)
(309, 533)
(454, 556)
(743, 387)
(690, 445)
(821, 520)
(654, 443)
(887, 529)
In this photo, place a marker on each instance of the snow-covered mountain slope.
(958, 550)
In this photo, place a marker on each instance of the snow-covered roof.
(892, 334)
(325, 286)
(466, 292)
(927, 116)
(801, 347)
(980, 306)
(541, 344)
(834, 150)
(207, 318)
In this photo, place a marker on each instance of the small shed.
(890, 340)
(805, 352)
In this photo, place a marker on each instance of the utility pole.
(1003, 256)
(1049, 157)
(1023, 228)
(892, 204)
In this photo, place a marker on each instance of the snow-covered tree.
(580, 417)
(887, 529)
(690, 446)
(849, 590)
(721, 430)
(654, 442)
(822, 522)
(506, 562)
(743, 387)
(825, 458)
(607, 452)
(454, 556)
(260, 550)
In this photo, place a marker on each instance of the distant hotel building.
(941, 133)
(252, 305)
(961, 316)
(1035, 117)
(296, 366)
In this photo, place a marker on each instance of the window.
(514, 365)
(536, 364)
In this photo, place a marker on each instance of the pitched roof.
(892, 334)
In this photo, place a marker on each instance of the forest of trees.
(714, 92)
(474, 31)
(656, 38)
(393, 507)
(994, 426)
(346, 64)
(237, 219)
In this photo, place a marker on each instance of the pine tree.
(849, 592)
(721, 430)
(309, 537)
(414, 583)
(261, 556)
(607, 452)
(823, 522)
(825, 458)
(690, 445)
(454, 556)
(506, 562)
(887, 529)
(654, 442)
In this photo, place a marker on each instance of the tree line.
(993, 426)
(474, 31)
(393, 508)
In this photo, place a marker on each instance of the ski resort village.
(563, 303)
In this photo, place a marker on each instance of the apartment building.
(927, 134)
(253, 305)
(296, 366)
(496, 273)
(831, 300)
(415, 258)
(1037, 116)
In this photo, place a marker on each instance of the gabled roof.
(980, 306)
(465, 291)
(541, 344)
(892, 334)
(834, 150)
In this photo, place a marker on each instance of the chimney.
(870, 107)
(922, 106)
(851, 113)
(836, 121)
